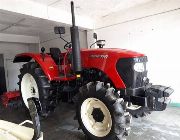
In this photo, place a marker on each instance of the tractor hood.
(115, 52)
(105, 60)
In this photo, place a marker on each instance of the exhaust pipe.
(75, 44)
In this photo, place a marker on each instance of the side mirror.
(59, 30)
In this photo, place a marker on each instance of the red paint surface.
(48, 65)
(107, 65)
(9, 96)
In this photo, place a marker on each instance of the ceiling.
(14, 23)
(93, 8)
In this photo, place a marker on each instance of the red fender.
(48, 65)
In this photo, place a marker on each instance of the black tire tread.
(47, 102)
(122, 119)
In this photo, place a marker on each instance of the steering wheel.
(67, 45)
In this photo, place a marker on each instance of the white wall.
(9, 50)
(158, 36)
(52, 40)
(13, 38)
(34, 48)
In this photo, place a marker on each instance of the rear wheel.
(100, 113)
(34, 83)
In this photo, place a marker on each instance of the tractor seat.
(56, 55)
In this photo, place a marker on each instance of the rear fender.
(48, 65)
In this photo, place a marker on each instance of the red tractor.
(107, 85)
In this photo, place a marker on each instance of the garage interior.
(150, 27)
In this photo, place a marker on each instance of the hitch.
(158, 97)
(153, 97)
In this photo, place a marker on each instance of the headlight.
(139, 67)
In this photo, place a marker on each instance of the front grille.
(131, 78)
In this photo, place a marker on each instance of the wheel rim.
(96, 117)
(29, 88)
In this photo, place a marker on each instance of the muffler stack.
(75, 44)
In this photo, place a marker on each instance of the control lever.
(42, 53)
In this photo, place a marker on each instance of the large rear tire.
(34, 83)
(100, 113)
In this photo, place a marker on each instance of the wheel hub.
(98, 115)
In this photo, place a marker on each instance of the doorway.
(2, 76)
(12, 71)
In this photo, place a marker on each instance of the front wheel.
(100, 113)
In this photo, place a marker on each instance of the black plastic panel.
(130, 77)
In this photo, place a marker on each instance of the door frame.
(6, 89)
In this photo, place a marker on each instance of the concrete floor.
(61, 126)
